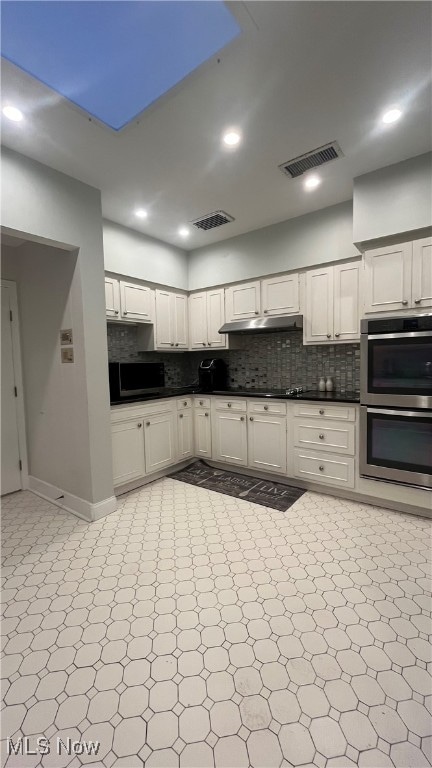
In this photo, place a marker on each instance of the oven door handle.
(388, 412)
(405, 335)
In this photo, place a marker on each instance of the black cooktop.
(294, 393)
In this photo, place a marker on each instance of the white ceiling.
(301, 75)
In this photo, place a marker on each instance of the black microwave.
(129, 380)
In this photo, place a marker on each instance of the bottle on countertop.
(329, 384)
(322, 384)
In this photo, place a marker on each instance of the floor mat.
(265, 492)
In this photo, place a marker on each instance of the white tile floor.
(193, 629)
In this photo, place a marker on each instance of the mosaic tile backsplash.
(273, 360)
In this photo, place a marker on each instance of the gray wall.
(49, 207)
(130, 253)
(305, 241)
(393, 200)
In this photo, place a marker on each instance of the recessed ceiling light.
(232, 138)
(183, 232)
(12, 113)
(141, 213)
(312, 182)
(392, 115)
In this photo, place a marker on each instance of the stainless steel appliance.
(396, 400)
(212, 374)
(129, 380)
(396, 362)
(264, 325)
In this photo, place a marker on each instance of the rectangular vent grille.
(300, 165)
(212, 220)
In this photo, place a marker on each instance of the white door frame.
(16, 351)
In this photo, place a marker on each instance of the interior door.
(136, 302)
(388, 278)
(280, 295)
(112, 298)
(10, 453)
(216, 318)
(422, 273)
(242, 301)
(198, 320)
(346, 302)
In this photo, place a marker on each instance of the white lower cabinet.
(267, 443)
(324, 468)
(202, 430)
(128, 450)
(159, 441)
(185, 441)
(328, 436)
(229, 437)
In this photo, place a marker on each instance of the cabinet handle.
(176, 344)
(241, 418)
(203, 343)
(185, 403)
(405, 302)
(417, 301)
(321, 437)
(147, 423)
(266, 407)
(329, 335)
(124, 312)
(180, 415)
(321, 468)
(256, 312)
(139, 425)
(201, 402)
(206, 414)
(265, 311)
(209, 343)
(321, 413)
(171, 344)
(337, 335)
(229, 405)
(116, 312)
(250, 418)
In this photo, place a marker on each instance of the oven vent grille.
(212, 220)
(313, 159)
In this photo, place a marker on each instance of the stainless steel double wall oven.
(396, 400)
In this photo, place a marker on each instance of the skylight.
(113, 59)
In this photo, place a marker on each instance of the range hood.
(264, 325)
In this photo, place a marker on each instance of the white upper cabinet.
(280, 295)
(319, 306)
(242, 301)
(206, 316)
(137, 302)
(171, 320)
(422, 273)
(346, 316)
(112, 297)
(332, 313)
(388, 278)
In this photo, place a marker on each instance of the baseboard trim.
(135, 485)
(70, 503)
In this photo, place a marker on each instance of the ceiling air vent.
(313, 159)
(212, 220)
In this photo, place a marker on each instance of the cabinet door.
(422, 273)
(164, 318)
(198, 320)
(185, 434)
(229, 438)
(388, 278)
(127, 451)
(112, 297)
(242, 301)
(180, 320)
(267, 443)
(160, 448)
(202, 428)
(280, 295)
(346, 302)
(319, 306)
(137, 302)
(216, 318)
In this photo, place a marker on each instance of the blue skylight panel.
(113, 59)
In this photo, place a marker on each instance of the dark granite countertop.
(277, 394)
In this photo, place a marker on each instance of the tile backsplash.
(274, 360)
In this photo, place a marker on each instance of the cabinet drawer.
(324, 435)
(267, 406)
(324, 468)
(323, 411)
(184, 403)
(202, 402)
(223, 404)
(157, 406)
